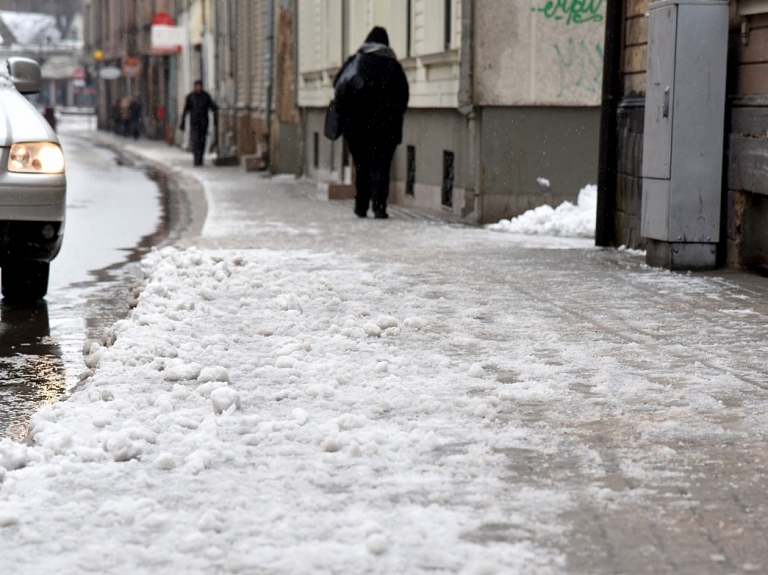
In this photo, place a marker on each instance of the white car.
(33, 186)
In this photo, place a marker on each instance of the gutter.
(473, 202)
(270, 65)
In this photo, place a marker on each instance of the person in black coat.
(371, 94)
(135, 112)
(198, 104)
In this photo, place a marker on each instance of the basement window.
(448, 26)
(410, 183)
(448, 161)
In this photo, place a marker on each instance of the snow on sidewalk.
(271, 412)
(566, 220)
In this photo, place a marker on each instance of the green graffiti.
(572, 11)
(580, 66)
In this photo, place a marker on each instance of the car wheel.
(25, 281)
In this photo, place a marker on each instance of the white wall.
(527, 52)
(433, 72)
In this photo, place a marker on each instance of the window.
(409, 30)
(448, 27)
(316, 150)
(410, 183)
(448, 178)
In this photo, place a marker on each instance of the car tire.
(25, 281)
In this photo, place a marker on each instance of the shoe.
(361, 214)
(381, 215)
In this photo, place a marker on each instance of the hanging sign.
(110, 73)
(131, 67)
(165, 37)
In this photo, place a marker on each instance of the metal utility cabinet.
(683, 140)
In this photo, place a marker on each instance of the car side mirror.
(25, 75)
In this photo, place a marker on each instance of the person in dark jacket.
(371, 94)
(198, 104)
(135, 112)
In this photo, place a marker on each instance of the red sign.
(78, 74)
(165, 37)
(162, 19)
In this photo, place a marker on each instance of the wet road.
(114, 215)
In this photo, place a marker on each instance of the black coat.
(372, 96)
(197, 106)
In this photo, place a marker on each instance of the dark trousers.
(372, 166)
(197, 141)
(135, 128)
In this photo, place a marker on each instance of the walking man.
(371, 98)
(198, 104)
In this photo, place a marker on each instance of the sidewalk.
(301, 391)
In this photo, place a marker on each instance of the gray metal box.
(684, 121)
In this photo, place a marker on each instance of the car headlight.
(36, 158)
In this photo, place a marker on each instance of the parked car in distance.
(33, 186)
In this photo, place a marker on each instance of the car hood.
(20, 121)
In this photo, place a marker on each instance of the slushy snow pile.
(566, 220)
(270, 412)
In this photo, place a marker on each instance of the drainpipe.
(467, 108)
(270, 66)
(607, 176)
(203, 51)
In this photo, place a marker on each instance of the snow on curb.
(567, 220)
(272, 412)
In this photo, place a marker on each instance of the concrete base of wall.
(534, 156)
(519, 149)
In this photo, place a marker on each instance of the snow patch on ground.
(566, 220)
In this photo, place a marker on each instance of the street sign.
(78, 74)
(110, 73)
(131, 67)
(168, 39)
(165, 37)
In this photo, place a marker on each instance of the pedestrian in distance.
(371, 97)
(125, 117)
(135, 113)
(199, 103)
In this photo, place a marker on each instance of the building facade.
(504, 111)
(117, 37)
(242, 50)
(256, 45)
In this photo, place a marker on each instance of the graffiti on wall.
(580, 66)
(572, 11)
(578, 52)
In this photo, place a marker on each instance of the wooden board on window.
(752, 79)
